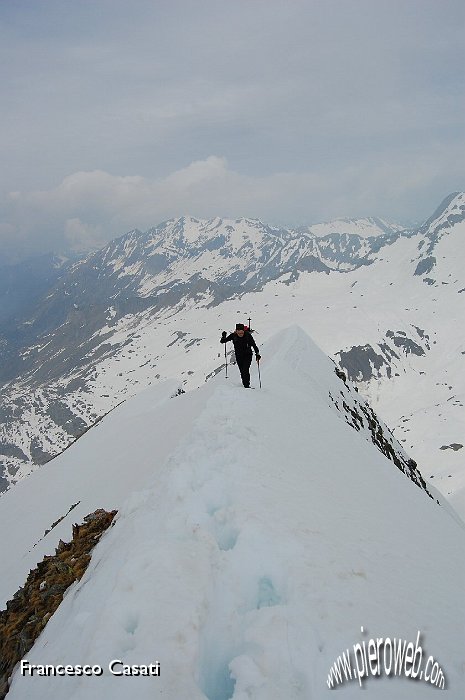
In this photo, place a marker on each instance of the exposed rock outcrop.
(32, 606)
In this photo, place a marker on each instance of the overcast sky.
(119, 114)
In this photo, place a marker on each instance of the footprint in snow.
(267, 595)
(224, 529)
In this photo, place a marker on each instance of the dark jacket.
(242, 346)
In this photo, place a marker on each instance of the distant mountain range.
(80, 336)
(178, 260)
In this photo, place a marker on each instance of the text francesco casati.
(115, 666)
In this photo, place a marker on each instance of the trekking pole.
(226, 360)
(259, 377)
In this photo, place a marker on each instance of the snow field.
(249, 556)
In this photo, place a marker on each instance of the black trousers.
(243, 362)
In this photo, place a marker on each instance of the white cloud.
(318, 109)
(89, 208)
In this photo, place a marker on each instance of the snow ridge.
(256, 549)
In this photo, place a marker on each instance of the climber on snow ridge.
(243, 343)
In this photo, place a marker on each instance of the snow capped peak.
(363, 227)
(450, 212)
(442, 237)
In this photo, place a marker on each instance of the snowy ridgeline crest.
(257, 531)
(354, 408)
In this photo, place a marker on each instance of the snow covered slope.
(387, 307)
(258, 531)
